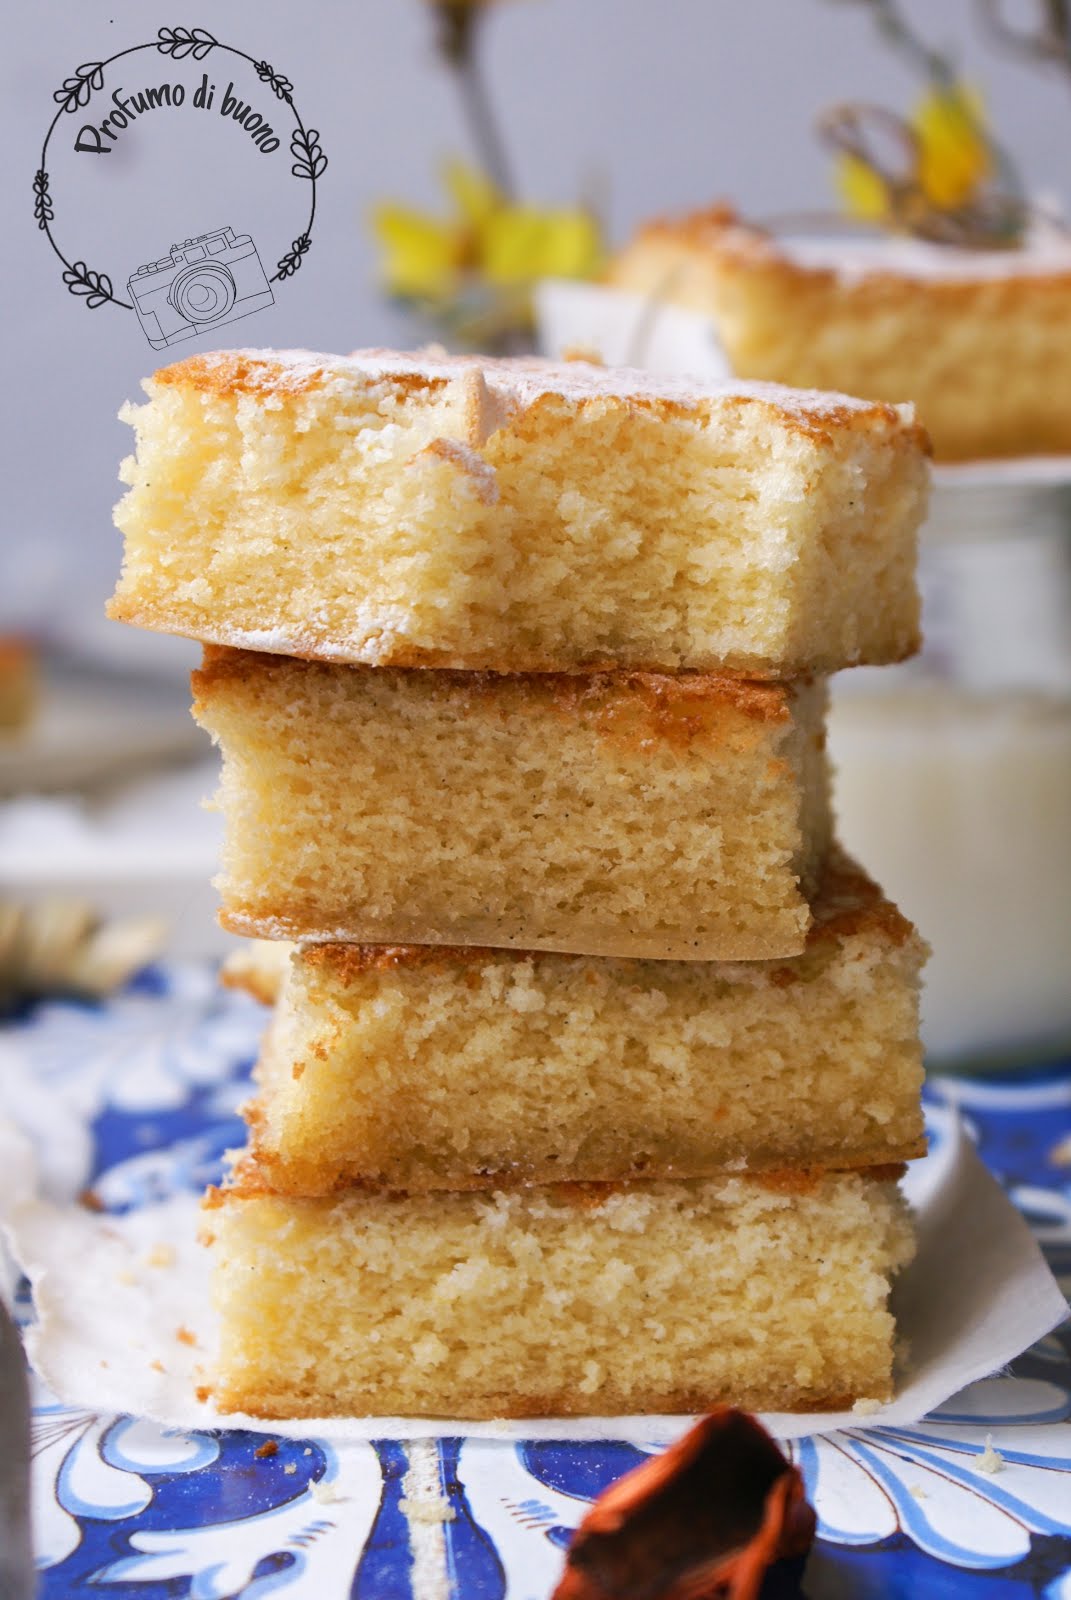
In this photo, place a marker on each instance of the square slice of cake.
(979, 340)
(519, 516)
(769, 1293)
(682, 817)
(418, 1068)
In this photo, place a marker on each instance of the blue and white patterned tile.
(139, 1099)
(125, 1503)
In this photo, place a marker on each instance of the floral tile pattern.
(139, 1098)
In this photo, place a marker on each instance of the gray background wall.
(660, 104)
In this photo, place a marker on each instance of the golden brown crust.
(699, 224)
(848, 903)
(309, 1180)
(675, 705)
(720, 231)
(987, 392)
(502, 1404)
(493, 663)
(805, 1180)
(262, 373)
(345, 962)
(283, 374)
(296, 921)
(254, 1174)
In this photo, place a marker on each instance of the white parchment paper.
(124, 1320)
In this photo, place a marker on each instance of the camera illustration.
(203, 283)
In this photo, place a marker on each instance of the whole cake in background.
(963, 754)
(980, 340)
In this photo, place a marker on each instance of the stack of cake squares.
(593, 1062)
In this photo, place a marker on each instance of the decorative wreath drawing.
(309, 160)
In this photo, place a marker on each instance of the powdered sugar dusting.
(373, 635)
(853, 260)
(514, 385)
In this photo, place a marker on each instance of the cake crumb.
(157, 1366)
(203, 1392)
(103, 1363)
(865, 1408)
(127, 1278)
(583, 352)
(918, 1492)
(429, 1511)
(184, 1336)
(268, 1448)
(990, 1460)
(290, 1468)
(325, 1493)
(1060, 1154)
(90, 1200)
(308, 1450)
(161, 1255)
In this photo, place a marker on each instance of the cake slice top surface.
(1044, 253)
(511, 386)
(854, 258)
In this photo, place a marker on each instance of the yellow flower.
(954, 154)
(522, 244)
(474, 195)
(952, 160)
(486, 238)
(862, 192)
(420, 255)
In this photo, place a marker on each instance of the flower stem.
(459, 25)
(893, 26)
(1049, 41)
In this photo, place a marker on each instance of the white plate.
(93, 728)
(1016, 472)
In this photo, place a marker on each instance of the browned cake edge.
(503, 1404)
(265, 374)
(848, 903)
(719, 231)
(249, 1178)
(298, 1181)
(291, 920)
(307, 644)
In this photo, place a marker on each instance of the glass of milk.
(953, 772)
